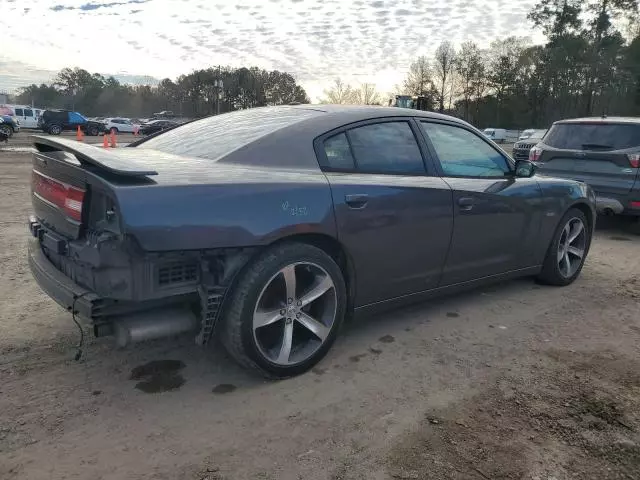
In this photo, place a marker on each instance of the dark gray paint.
(410, 237)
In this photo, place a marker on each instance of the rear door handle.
(465, 203)
(357, 200)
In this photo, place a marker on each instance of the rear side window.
(217, 136)
(28, 113)
(593, 136)
(18, 112)
(338, 152)
(388, 147)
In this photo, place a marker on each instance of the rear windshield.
(217, 136)
(593, 136)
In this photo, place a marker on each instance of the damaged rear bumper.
(130, 322)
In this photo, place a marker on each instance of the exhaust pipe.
(153, 324)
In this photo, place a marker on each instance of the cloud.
(95, 6)
(315, 40)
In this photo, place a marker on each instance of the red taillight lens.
(634, 159)
(65, 197)
(534, 154)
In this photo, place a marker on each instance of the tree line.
(590, 65)
(200, 93)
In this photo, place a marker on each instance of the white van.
(28, 116)
(498, 135)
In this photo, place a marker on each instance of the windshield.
(585, 136)
(216, 136)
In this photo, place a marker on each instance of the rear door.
(596, 153)
(394, 218)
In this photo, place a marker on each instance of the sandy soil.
(515, 381)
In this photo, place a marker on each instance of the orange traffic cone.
(135, 130)
(113, 139)
(105, 142)
(79, 134)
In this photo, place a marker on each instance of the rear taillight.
(634, 159)
(534, 154)
(63, 196)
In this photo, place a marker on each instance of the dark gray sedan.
(267, 227)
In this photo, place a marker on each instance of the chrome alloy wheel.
(571, 247)
(294, 313)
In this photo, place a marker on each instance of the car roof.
(602, 120)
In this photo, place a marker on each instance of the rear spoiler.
(108, 160)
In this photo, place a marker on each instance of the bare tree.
(444, 61)
(419, 80)
(469, 67)
(367, 95)
(340, 93)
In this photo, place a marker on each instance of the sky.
(360, 41)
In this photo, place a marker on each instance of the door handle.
(465, 203)
(356, 201)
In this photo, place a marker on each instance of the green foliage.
(196, 94)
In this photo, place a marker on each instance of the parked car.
(498, 135)
(268, 226)
(55, 121)
(120, 125)
(4, 137)
(526, 133)
(10, 125)
(155, 126)
(27, 115)
(603, 152)
(522, 147)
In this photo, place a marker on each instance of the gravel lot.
(515, 381)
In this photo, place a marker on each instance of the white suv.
(117, 125)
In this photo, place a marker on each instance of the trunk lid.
(71, 185)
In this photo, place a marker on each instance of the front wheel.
(285, 311)
(92, 131)
(6, 130)
(55, 129)
(568, 250)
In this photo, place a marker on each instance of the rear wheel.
(568, 250)
(286, 310)
(7, 130)
(55, 129)
(114, 130)
(92, 131)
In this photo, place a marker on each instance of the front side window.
(19, 112)
(388, 147)
(28, 113)
(464, 154)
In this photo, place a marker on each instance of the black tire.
(92, 131)
(55, 129)
(7, 130)
(236, 325)
(113, 130)
(550, 274)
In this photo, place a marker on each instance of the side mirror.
(525, 169)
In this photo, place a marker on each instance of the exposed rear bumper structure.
(129, 322)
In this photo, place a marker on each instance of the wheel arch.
(588, 212)
(336, 250)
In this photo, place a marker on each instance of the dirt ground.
(515, 381)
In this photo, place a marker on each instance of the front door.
(496, 215)
(393, 218)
